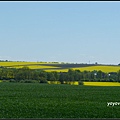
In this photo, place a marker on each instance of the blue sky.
(77, 32)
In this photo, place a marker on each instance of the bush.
(14, 81)
(30, 81)
(42, 80)
(21, 81)
(80, 82)
(5, 80)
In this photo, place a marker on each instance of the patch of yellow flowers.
(68, 82)
(87, 83)
(54, 82)
(101, 83)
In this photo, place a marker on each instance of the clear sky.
(77, 32)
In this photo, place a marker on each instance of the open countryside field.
(103, 68)
(36, 100)
(61, 67)
(87, 83)
(101, 83)
(31, 65)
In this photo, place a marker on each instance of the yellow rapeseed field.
(16, 63)
(21, 63)
(37, 65)
(92, 68)
(71, 82)
(65, 82)
(102, 68)
(60, 70)
(54, 82)
(101, 83)
(31, 65)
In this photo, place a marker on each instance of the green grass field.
(34, 100)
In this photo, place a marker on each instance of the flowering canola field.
(92, 68)
(31, 65)
(101, 83)
(102, 68)
(49, 66)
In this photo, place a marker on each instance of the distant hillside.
(60, 67)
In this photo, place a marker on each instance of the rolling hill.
(61, 67)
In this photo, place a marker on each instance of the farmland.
(43, 72)
(34, 100)
(31, 65)
(60, 67)
(102, 83)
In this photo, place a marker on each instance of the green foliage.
(21, 81)
(43, 80)
(81, 83)
(13, 81)
(62, 78)
(57, 101)
(30, 81)
(5, 80)
(72, 75)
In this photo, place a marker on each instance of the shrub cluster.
(31, 75)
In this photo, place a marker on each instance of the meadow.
(34, 100)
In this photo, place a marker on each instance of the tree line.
(42, 76)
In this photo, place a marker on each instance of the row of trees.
(72, 75)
